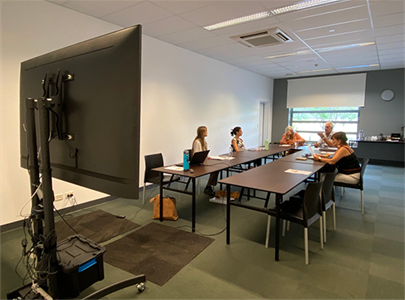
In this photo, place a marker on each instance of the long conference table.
(271, 177)
(210, 166)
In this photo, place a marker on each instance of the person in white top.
(199, 144)
(326, 137)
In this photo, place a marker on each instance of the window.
(308, 121)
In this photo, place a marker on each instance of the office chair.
(327, 200)
(155, 161)
(358, 186)
(305, 214)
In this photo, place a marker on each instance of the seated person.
(290, 137)
(344, 159)
(237, 143)
(199, 144)
(325, 137)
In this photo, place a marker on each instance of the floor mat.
(98, 226)
(156, 250)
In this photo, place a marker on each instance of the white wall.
(180, 91)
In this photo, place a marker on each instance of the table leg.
(161, 197)
(193, 205)
(278, 202)
(228, 213)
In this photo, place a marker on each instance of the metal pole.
(49, 230)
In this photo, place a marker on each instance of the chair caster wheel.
(141, 287)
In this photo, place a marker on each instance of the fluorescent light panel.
(320, 70)
(265, 14)
(253, 17)
(300, 5)
(355, 67)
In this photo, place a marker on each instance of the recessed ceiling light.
(320, 70)
(289, 54)
(327, 49)
(355, 67)
(332, 30)
(300, 5)
(253, 17)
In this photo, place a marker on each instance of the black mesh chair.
(305, 214)
(358, 186)
(155, 161)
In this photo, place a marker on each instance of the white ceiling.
(341, 23)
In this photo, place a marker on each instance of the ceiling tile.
(97, 8)
(206, 43)
(187, 36)
(392, 51)
(390, 38)
(57, 1)
(336, 17)
(381, 8)
(178, 7)
(322, 10)
(396, 29)
(389, 20)
(228, 48)
(383, 46)
(345, 39)
(143, 13)
(222, 11)
(334, 29)
(167, 26)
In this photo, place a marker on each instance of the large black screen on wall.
(100, 112)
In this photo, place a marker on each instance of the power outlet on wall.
(59, 197)
(69, 194)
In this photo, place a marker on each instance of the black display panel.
(96, 126)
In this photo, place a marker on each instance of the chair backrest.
(363, 169)
(152, 161)
(327, 188)
(311, 200)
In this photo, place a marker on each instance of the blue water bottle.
(186, 160)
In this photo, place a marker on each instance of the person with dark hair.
(237, 142)
(199, 144)
(344, 159)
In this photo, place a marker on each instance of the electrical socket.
(69, 194)
(59, 197)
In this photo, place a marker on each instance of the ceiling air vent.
(263, 38)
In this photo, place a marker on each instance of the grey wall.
(377, 116)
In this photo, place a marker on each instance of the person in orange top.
(290, 137)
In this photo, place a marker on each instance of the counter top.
(390, 142)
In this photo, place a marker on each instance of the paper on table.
(222, 157)
(297, 172)
(174, 168)
(285, 145)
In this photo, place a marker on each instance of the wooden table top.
(272, 177)
(213, 165)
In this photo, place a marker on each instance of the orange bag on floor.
(169, 208)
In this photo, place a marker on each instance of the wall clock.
(387, 95)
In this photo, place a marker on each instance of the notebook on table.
(197, 159)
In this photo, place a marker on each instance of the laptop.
(197, 159)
